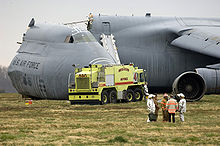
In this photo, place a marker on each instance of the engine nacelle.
(212, 79)
(191, 84)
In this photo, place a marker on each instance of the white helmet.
(151, 96)
(181, 95)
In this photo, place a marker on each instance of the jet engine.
(191, 84)
(212, 79)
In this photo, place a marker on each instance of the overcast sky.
(16, 14)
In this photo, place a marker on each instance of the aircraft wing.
(204, 40)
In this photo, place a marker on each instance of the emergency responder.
(145, 92)
(156, 106)
(163, 107)
(151, 108)
(172, 107)
(90, 20)
(182, 106)
(90, 15)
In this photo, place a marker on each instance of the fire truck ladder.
(108, 43)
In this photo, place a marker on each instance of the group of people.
(169, 106)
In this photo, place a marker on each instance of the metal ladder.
(108, 43)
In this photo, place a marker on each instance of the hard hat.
(165, 94)
(151, 96)
(181, 95)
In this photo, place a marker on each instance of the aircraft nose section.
(45, 75)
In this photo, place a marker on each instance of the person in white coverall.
(146, 94)
(150, 106)
(182, 106)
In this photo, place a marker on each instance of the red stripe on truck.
(102, 85)
(123, 83)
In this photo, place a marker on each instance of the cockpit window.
(84, 37)
(69, 39)
(80, 37)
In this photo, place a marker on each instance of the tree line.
(5, 82)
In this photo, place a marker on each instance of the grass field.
(56, 122)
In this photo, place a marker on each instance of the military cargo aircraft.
(179, 52)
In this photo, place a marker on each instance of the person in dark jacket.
(156, 106)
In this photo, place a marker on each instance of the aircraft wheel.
(130, 95)
(138, 94)
(104, 97)
(113, 96)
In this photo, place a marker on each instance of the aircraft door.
(106, 28)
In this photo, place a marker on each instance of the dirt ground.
(56, 122)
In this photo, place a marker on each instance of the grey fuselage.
(45, 59)
(146, 41)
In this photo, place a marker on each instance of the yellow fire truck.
(106, 84)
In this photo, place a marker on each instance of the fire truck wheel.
(113, 96)
(104, 97)
(130, 95)
(71, 102)
(138, 94)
